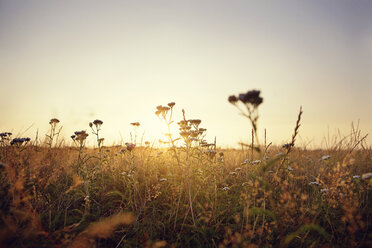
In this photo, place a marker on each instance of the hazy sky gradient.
(117, 60)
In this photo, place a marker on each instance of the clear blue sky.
(117, 60)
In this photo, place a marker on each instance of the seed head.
(53, 121)
(97, 122)
(233, 99)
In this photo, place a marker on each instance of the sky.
(117, 60)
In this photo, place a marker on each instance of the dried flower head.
(233, 99)
(81, 136)
(97, 123)
(53, 121)
(135, 124)
(130, 146)
(171, 104)
(19, 141)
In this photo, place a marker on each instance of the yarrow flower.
(171, 104)
(326, 157)
(324, 191)
(314, 183)
(356, 177)
(162, 179)
(226, 188)
(162, 110)
(255, 162)
(367, 175)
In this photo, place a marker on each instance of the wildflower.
(233, 99)
(182, 123)
(136, 124)
(185, 134)
(195, 122)
(288, 145)
(367, 175)
(97, 122)
(324, 191)
(81, 135)
(233, 173)
(162, 179)
(290, 168)
(251, 97)
(194, 134)
(210, 153)
(270, 171)
(314, 183)
(245, 162)
(326, 157)
(130, 146)
(19, 141)
(86, 198)
(123, 173)
(202, 130)
(3, 135)
(238, 169)
(226, 188)
(255, 162)
(171, 104)
(54, 121)
(244, 184)
(356, 177)
(73, 136)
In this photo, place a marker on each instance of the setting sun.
(199, 123)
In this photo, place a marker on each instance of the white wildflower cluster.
(366, 176)
(314, 183)
(255, 162)
(326, 157)
(128, 174)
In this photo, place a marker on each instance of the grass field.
(190, 194)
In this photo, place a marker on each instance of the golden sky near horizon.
(117, 60)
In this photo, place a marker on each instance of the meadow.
(187, 192)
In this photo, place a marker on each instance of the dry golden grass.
(192, 194)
